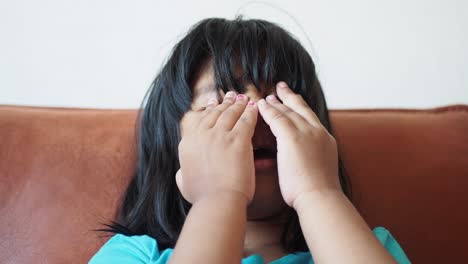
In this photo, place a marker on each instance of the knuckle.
(229, 111)
(245, 120)
(266, 106)
(230, 138)
(228, 100)
(309, 129)
(330, 137)
(297, 138)
(278, 116)
(217, 110)
(226, 111)
(322, 133)
(233, 107)
(237, 106)
(287, 111)
(239, 139)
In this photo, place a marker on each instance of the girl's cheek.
(187, 120)
(183, 124)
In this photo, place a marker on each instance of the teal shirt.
(144, 249)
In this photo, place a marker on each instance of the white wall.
(105, 53)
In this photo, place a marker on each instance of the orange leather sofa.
(63, 170)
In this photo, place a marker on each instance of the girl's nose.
(254, 94)
(262, 134)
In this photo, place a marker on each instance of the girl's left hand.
(307, 154)
(216, 153)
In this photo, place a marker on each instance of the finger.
(248, 120)
(212, 102)
(214, 111)
(275, 119)
(296, 102)
(296, 118)
(229, 117)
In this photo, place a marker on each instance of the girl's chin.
(267, 201)
(260, 214)
(263, 209)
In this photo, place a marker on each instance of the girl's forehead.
(205, 83)
(205, 79)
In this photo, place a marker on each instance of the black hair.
(267, 54)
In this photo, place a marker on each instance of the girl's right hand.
(307, 154)
(216, 153)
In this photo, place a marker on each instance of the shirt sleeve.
(127, 249)
(392, 246)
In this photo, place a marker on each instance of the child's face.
(267, 199)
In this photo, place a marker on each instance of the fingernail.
(271, 97)
(230, 94)
(282, 85)
(240, 96)
(251, 103)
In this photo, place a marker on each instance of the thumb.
(274, 118)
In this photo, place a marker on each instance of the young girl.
(237, 162)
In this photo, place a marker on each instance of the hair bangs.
(255, 52)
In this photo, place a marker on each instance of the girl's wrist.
(224, 197)
(308, 199)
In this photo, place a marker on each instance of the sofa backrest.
(63, 171)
